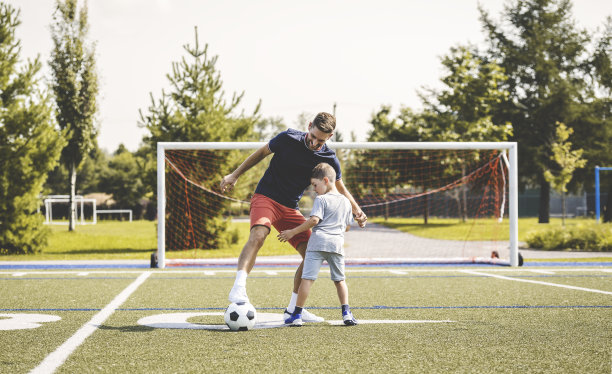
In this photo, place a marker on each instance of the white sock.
(241, 277)
(292, 302)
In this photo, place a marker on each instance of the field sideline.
(476, 319)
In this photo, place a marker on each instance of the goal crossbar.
(510, 147)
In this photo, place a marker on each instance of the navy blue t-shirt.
(288, 174)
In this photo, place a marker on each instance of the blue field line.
(374, 307)
(50, 309)
(569, 264)
(72, 266)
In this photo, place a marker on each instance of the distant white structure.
(80, 201)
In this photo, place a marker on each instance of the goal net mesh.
(453, 201)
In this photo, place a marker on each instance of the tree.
(552, 78)
(30, 144)
(566, 160)
(122, 179)
(196, 110)
(461, 111)
(75, 85)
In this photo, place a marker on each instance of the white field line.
(292, 270)
(59, 356)
(537, 282)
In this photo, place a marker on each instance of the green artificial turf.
(497, 325)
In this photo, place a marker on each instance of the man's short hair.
(325, 122)
(323, 170)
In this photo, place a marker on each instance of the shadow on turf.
(137, 328)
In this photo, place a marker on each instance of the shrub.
(587, 237)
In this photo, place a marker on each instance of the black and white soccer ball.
(240, 316)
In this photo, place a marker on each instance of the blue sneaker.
(348, 319)
(294, 320)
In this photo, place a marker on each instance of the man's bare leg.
(297, 279)
(246, 261)
(257, 237)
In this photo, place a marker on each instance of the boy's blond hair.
(324, 170)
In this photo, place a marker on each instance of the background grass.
(499, 325)
(113, 240)
(481, 229)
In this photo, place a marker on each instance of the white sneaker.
(306, 316)
(238, 295)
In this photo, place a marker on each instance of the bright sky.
(296, 56)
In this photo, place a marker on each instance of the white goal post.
(511, 162)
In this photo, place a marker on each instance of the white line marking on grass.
(59, 356)
(208, 272)
(19, 274)
(269, 272)
(397, 272)
(386, 321)
(82, 274)
(264, 321)
(537, 282)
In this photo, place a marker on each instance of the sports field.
(413, 319)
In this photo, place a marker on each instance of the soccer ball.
(240, 316)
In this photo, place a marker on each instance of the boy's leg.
(303, 292)
(336, 267)
(246, 261)
(342, 291)
(291, 219)
(310, 269)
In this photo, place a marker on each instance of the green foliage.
(553, 77)
(586, 237)
(196, 110)
(567, 159)
(461, 111)
(75, 84)
(30, 144)
(122, 178)
(91, 170)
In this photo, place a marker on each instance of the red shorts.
(267, 212)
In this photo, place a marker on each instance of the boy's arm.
(288, 234)
(228, 182)
(360, 216)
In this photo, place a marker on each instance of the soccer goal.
(459, 199)
(63, 202)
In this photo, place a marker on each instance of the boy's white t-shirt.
(335, 214)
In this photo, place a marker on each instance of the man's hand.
(228, 182)
(361, 218)
(285, 235)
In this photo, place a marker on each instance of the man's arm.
(288, 234)
(360, 216)
(228, 182)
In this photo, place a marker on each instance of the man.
(275, 202)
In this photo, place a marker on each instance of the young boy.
(331, 214)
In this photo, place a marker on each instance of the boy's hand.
(285, 235)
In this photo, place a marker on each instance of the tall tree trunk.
(544, 209)
(607, 211)
(563, 207)
(463, 195)
(72, 215)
